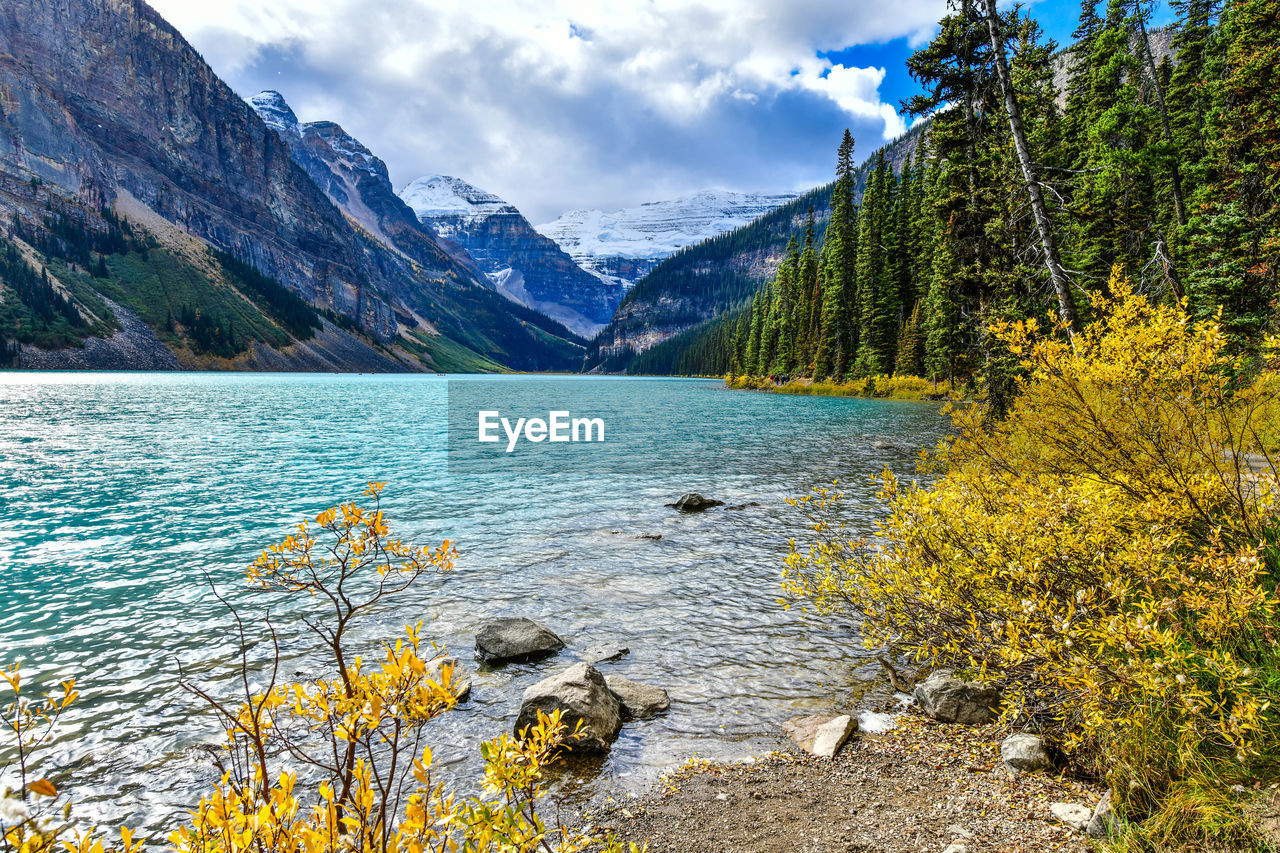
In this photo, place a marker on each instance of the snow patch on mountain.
(637, 238)
(451, 203)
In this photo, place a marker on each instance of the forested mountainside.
(520, 263)
(151, 219)
(702, 281)
(1160, 171)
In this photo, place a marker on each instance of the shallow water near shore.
(120, 493)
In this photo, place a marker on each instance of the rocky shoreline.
(936, 774)
(923, 785)
(930, 768)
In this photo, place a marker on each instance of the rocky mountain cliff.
(124, 161)
(525, 266)
(357, 182)
(708, 278)
(624, 245)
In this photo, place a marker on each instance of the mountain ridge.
(359, 184)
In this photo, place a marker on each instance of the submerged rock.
(580, 694)
(511, 640)
(639, 701)
(1024, 753)
(740, 507)
(949, 700)
(459, 677)
(694, 502)
(821, 736)
(602, 652)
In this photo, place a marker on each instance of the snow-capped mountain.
(275, 112)
(623, 245)
(451, 203)
(523, 265)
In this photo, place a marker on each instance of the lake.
(123, 496)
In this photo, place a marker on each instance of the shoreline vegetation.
(340, 762)
(877, 387)
(1103, 557)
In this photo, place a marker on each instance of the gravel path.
(921, 787)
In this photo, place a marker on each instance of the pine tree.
(910, 354)
(1193, 82)
(877, 292)
(1115, 207)
(1235, 238)
(841, 321)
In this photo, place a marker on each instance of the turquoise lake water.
(121, 493)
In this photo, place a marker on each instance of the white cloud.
(571, 103)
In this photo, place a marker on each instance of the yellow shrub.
(1106, 552)
(895, 387)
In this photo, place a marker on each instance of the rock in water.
(639, 701)
(949, 700)
(1102, 824)
(515, 639)
(580, 694)
(602, 652)
(819, 735)
(1072, 814)
(459, 678)
(694, 502)
(1024, 753)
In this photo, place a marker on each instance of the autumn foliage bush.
(895, 387)
(1107, 552)
(339, 763)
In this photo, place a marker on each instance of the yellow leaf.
(43, 787)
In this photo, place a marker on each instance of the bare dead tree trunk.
(1057, 275)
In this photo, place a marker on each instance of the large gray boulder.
(580, 694)
(694, 502)
(949, 700)
(511, 640)
(639, 701)
(1024, 753)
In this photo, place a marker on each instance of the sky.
(557, 105)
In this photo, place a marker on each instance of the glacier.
(622, 245)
